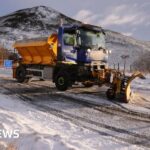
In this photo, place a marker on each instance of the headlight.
(109, 51)
(88, 50)
(106, 51)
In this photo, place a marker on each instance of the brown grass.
(11, 146)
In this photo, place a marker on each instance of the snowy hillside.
(30, 23)
(124, 45)
(42, 21)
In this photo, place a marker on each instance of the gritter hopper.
(38, 51)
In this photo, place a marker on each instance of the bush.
(4, 54)
(143, 62)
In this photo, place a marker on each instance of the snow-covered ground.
(5, 72)
(41, 130)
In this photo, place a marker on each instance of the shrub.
(143, 62)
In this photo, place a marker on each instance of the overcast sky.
(131, 17)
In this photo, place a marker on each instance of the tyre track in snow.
(119, 110)
(133, 138)
(115, 109)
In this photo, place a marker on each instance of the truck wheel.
(62, 82)
(110, 94)
(21, 74)
(123, 98)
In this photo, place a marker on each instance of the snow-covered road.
(77, 119)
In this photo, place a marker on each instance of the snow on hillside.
(42, 21)
(124, 45)
(30, 23)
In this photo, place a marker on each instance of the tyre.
(21, 74)
(62, 81)
(124, 98)
(110, 94)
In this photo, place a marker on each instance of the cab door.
(69, 42)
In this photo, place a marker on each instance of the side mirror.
(78, 39)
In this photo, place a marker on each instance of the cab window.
(69, 38)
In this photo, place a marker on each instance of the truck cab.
(81, 44)
(81, 52)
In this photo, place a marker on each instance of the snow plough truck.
(75, 53)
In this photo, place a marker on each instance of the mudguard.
(128, 91)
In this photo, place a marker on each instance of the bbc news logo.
(11, 134)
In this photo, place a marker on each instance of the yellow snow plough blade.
(128, 91)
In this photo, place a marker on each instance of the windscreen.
(92, 39)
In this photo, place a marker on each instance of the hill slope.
(124, 45)
(42, 21)
(30, 23)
